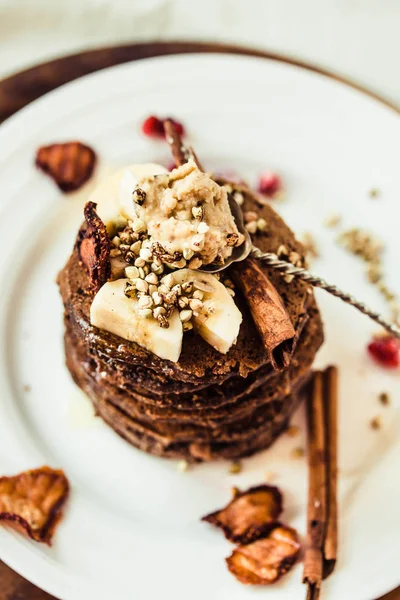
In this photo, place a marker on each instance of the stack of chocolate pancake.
(208, 405)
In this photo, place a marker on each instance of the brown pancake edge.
(253, 437)
(199, 364)
(210, 405)
(207, 405)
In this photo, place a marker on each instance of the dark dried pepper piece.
(250, 515)
(33, 501)
(263, 562)
(70, 164)
(94, 247)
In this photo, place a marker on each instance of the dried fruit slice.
(34, 501)
(263, 562)
(250, 515)
(70, 164)
(94, 247)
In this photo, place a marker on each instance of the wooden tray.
(19, 90)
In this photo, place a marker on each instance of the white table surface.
(356, 38)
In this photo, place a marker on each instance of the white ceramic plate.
(132, 528)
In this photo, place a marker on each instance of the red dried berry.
(385, 351)
(154, 127)
(269, 184)
(178, 126)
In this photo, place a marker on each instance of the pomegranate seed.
(385, 351)
(154, 127)
(171, 166)
(179, 127)
(269, 184)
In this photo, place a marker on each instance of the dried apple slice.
(264, 561)
(33, 501)
(250, 514)
(70, 164)
(94, 247)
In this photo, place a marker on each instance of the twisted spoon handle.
(286, 267)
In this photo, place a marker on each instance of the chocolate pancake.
(254, 433)
(207, 405)
(199, 364)
(213, 403)
(128, 378)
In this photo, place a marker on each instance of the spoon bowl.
(239, 252)
(181, 155)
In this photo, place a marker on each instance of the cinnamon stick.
(321, 546)
(180, 153)
(192, 154)
(265, 304)
(174, 140)
(268, 311)
(316, 509)
(331, 536)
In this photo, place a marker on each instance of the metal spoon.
(239, 252)
(247, 248)
(182, 154)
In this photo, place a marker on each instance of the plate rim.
(271, 57)
(151, 50)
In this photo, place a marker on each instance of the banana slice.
(113, 195)
(113, 311)
(220, 327)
